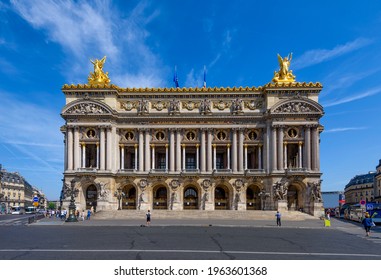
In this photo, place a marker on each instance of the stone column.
(76, 148)
(172, 150)
(314, 140)
(178, 151)
(285, 155)
(245, 156)
(203, 151)
(280, 149)
(122, 157)
(147, 158)
(300, 154)
(214, 156)
(153, 156)
(240, 150)
(141, 150)
(260, 157)
(197, 157)
(83, 146)
(65, 149)
(109, 149)
(98, 155)
(102, 148)
(70, 148)
(307, 148)
(184, 155)
(228, 155)
(234, 150)
(136, 157)
(166, 157)
(273, 152)
(209, 151)
(318, 151)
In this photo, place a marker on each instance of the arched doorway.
(190, 198)
(129, 198)
(294, 200)
(160, 198)
(221, 198)
(91, 197)
(253, 201)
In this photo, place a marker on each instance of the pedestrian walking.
(88, 214)
(148, 215)
(368, 223)
(278, 218)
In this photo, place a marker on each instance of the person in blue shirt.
(278, 216)
(367, 222)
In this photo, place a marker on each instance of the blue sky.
(45, 44)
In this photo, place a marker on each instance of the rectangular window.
(190, 161)
(220, 164)
(160, 162)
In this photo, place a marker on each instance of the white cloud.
(89, 29)
(342, 129)
(361, 95)
(317, 56)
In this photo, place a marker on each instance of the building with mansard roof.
(245, 148)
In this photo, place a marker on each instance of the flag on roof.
(176, 79)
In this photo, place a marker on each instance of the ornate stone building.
(377, 183)
(360, 187)
(14, 191)
(234, 148)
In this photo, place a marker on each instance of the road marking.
(189, 251)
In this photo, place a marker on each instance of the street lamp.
(119, 195)
(72, 192)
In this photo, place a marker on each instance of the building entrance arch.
(160, 197)
(191, 198)
(294, 198)
(91, 197)
(221, 198)
(129, 198)
(253, 200)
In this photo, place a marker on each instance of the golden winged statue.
(284, 75)
(98, 77)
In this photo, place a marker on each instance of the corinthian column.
(76, 148)
(209, 151)
(172, 150)
(314, 148)
(280, 148)
(178, 151)
(70, 148)
(203, 151)
(109, 149)
(102, 141)
(234, 150)
(307, 148)
(273, 152)
(240, 150)
(147, 159)
(141, 150)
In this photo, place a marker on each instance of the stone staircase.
(201, 215)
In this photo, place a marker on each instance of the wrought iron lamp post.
(72, 192)
(119, 195)
(263, 195)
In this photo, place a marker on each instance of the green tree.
(51, 206)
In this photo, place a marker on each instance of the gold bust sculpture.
(98, 77)
(284, 75)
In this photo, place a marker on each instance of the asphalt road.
(65, 242)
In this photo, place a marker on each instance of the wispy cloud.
(88, 29)
(317, 56)
(73, 25)
(343, 129)
(361, 95)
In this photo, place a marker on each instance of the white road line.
(189, 251)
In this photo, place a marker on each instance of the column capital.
(183, 145)
(97, 144)
(228, 145)
(166, 145)
(245, 145)
(136, 145)
(82, 144)
(197, 145)
(300, 143)
(121, 145)
(152, 145)
(214, 145)
(285, 143)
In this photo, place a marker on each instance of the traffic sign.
(369, 207)
(35, 199)
(35, 204)
(362, 202)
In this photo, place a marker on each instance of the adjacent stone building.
(360, 187)
(240, 148)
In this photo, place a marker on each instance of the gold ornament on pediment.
(221, 105)
(98, 77)
(128, 106)
(252, 104)
(159, 105)
(284, 75)
(190, 105)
